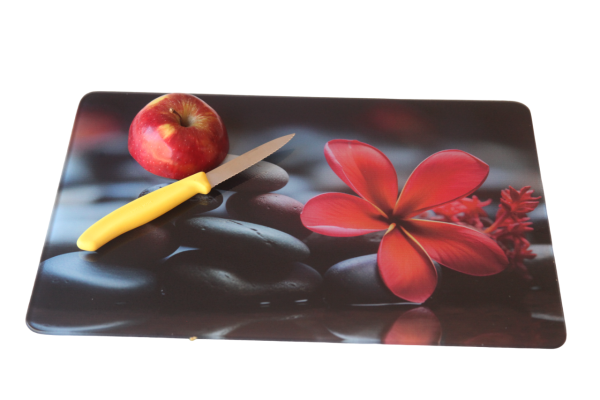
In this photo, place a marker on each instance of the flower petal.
(418, 326)
(366, 170)
(405, 267)
(458, 247)
(441, 178)
(341, 215)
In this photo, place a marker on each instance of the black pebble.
(269, 209)
(74, 281)
(192, 278)
(262, 177)
(326, 251)
(243, 240)
(197, 204)
(357, 281)
(141, 246)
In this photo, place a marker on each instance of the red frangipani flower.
(409, 245)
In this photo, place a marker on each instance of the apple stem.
(176, 113)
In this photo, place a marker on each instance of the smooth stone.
(269, 209)
(357, 281)
(243, 240)
(193, 278)
(141, 246)
(74, 280)
(262, 177)
(55, 249)
(197, 204)
(326, 251)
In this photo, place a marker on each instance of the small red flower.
(518, 202)
(511, 225)
(407, 249)
(474, 211)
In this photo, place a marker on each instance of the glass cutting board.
(250, 261)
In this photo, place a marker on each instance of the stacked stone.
(254, 257)
(251, 259)
(122, 273)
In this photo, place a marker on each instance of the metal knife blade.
(246, 160)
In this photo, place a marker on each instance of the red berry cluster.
(509, 228)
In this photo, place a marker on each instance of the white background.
(543, 54)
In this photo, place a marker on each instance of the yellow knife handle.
(142, 210)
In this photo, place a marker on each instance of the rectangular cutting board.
(239, 264)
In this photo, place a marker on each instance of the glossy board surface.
(263, 274)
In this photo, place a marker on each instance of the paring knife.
(155, 204)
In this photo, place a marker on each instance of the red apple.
(177, 135)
